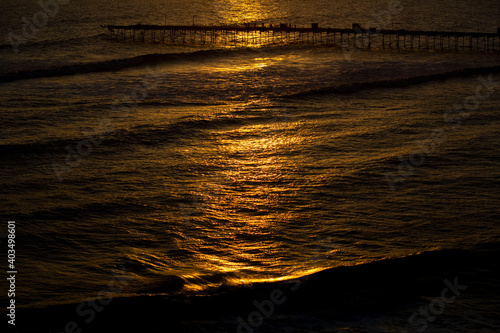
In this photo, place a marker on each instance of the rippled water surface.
(237, 165)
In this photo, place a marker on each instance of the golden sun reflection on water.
(238, 11)
(248, 65)
(239, 203)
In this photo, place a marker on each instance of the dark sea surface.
(192, 170)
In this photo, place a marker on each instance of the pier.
(284, 34)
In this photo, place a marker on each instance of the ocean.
(205, 179)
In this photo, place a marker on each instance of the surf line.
(104, 297)
(267, 307)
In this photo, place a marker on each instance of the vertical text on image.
(11, 272)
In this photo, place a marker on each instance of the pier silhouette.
(282, 34)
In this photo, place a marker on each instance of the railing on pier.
(262, 35)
